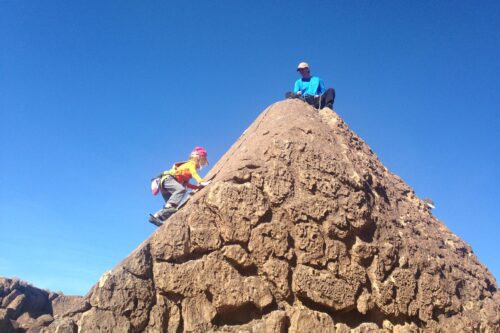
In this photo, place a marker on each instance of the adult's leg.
(311, 100)
(328, 98)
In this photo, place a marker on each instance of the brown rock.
(269, 239)
(204, 236)
(16, 306)
(215, 276)
(239, 207)
(158, 316)
(323, 288)
(197, 313)
(5, 322)
(309, 243)
(275, 322)
(301, 230)
(64, 305)
(408, 328)
(96, 320)
(10, 298)
(237, 255)
(362, 252)
(164, 316)
(305, 320)
(174, 318)
(125, 295)
(171, 241)
(66, 325)
(25, 321)
(278, 273)
(342, 328)
(364, 303)
(139, 262)
(40, 323)
(367, 328)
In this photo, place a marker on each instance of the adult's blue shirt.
(310, 87)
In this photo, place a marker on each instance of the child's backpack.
(155, 185)
(155, 182)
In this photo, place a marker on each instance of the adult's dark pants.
(327, 99)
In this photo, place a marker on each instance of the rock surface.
(24, 308)
(302, 230)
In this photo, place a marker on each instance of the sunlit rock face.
(301, 230)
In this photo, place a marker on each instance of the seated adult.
(312, 89)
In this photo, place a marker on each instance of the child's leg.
(165, 193)
(176, 190)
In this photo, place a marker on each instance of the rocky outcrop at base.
(24, 308)
(301, 230)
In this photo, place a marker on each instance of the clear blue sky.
(96, 97)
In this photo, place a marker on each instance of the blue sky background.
(96, 97)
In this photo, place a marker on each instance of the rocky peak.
(302, 230)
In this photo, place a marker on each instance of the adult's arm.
(296, 88)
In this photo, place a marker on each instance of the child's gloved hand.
(203, 184)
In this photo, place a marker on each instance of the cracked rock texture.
(24, 308)
(302, 230)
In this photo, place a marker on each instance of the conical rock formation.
(302, 230)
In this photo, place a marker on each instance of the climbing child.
(173, 183)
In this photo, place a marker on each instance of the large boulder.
(302, 230)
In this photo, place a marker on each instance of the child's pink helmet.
(200, 152)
